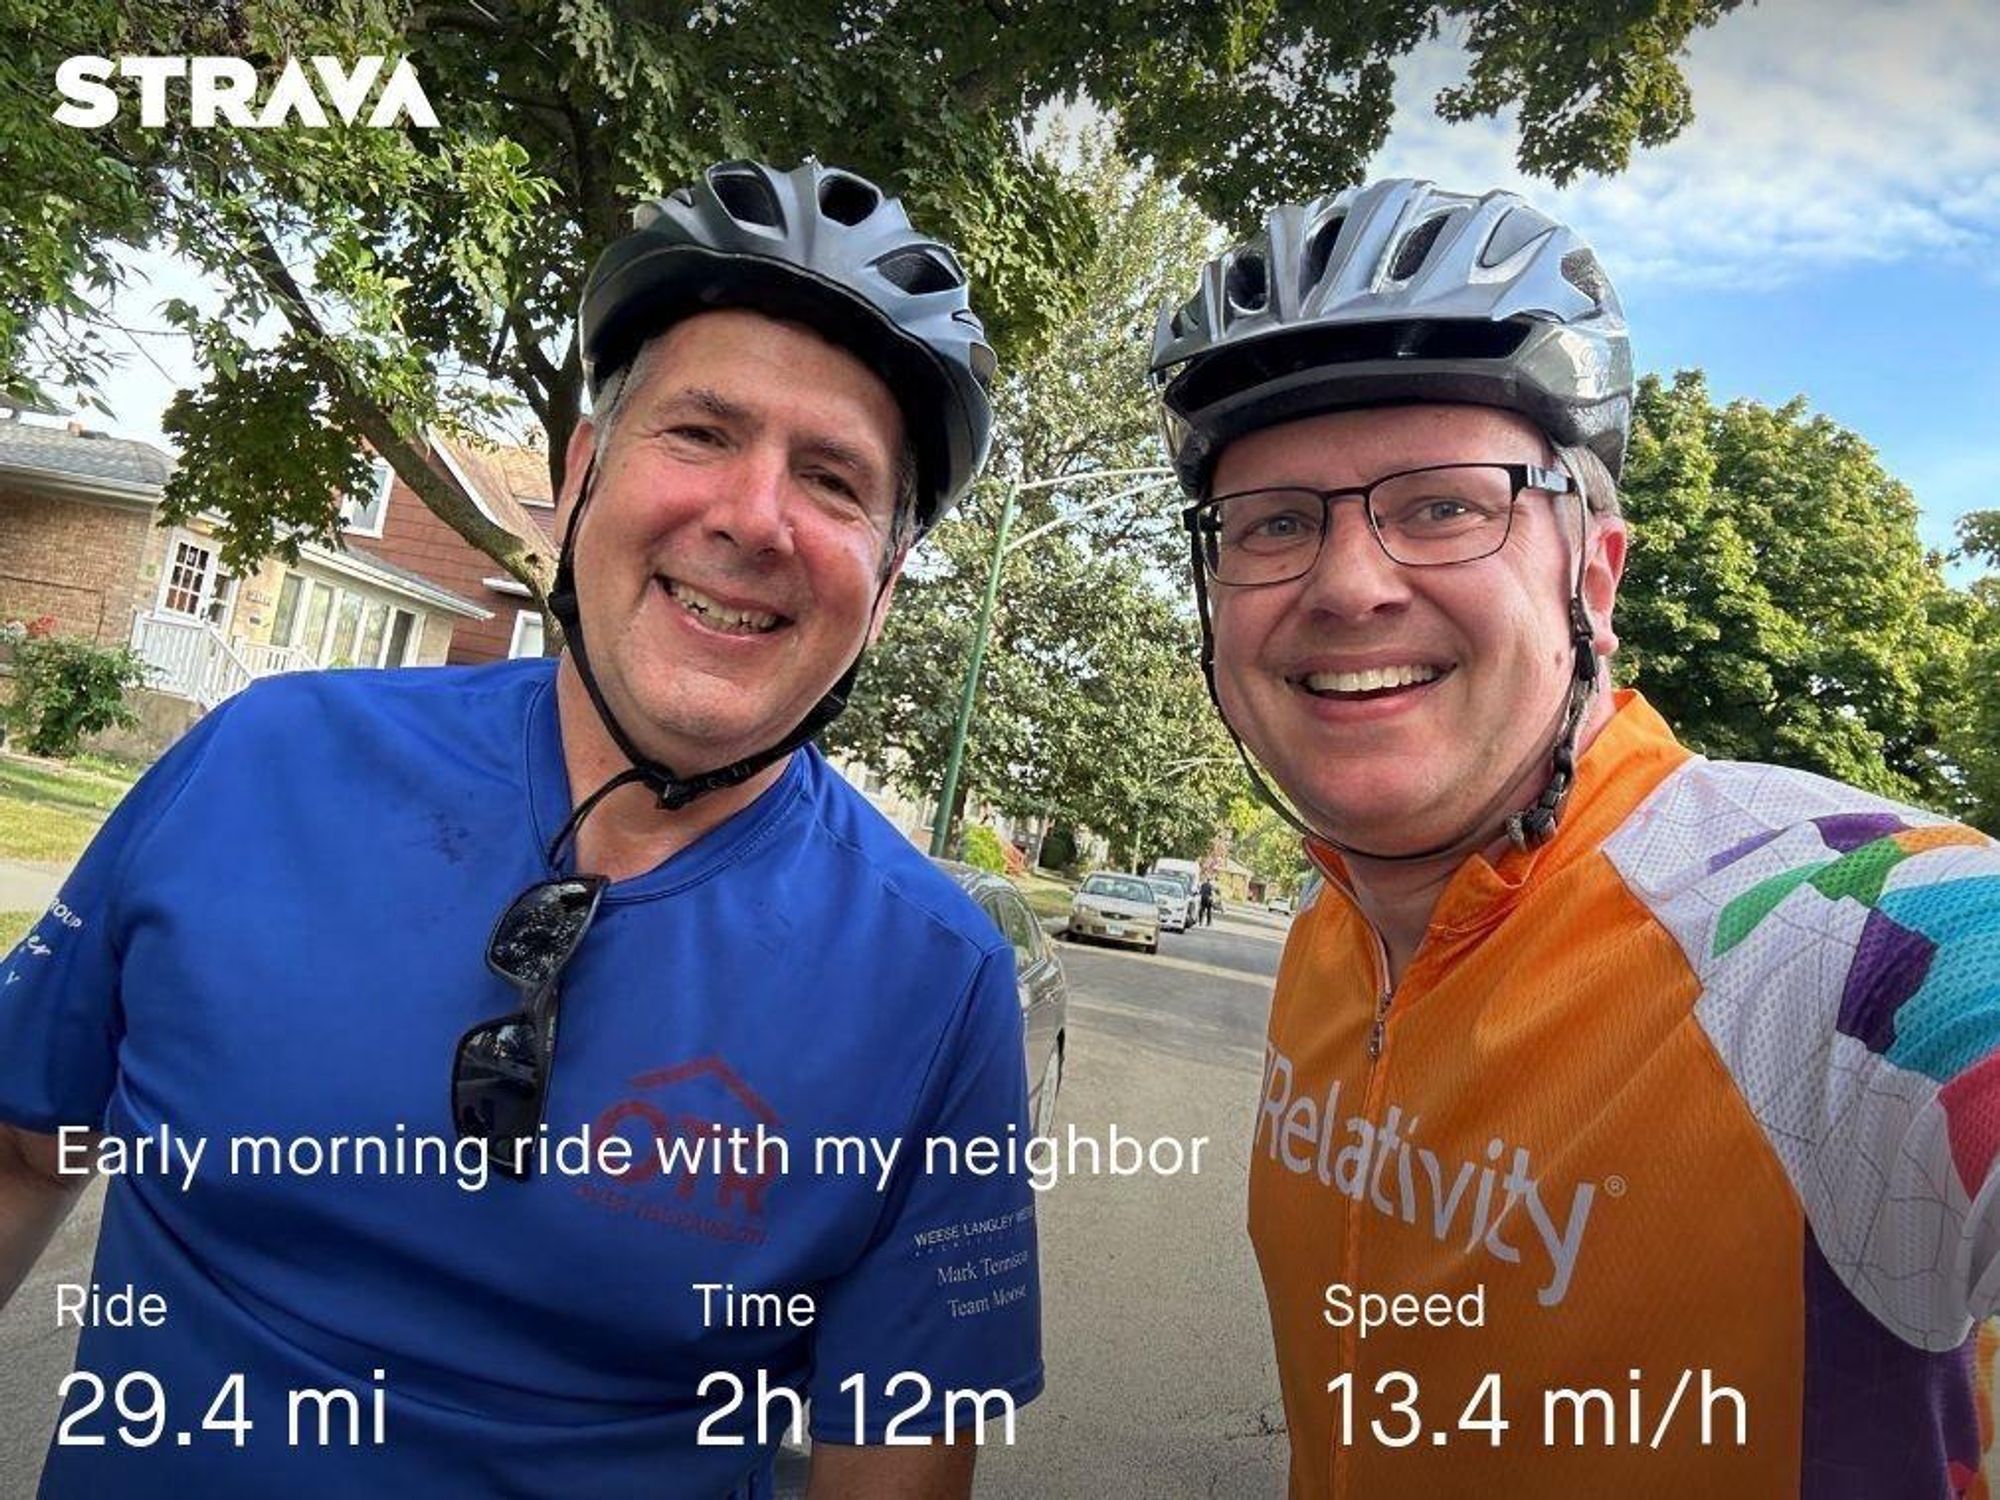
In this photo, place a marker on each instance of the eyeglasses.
(1422, 518)
(500, 1072)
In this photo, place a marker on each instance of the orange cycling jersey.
(1702, 1098)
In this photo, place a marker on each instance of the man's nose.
(750, 507)
(1353, 577)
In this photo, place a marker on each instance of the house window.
(187, 579)
(374, 634)
(527, 634)
(312, 639)
(404, 633)
(339, 650)
(194, 586)
(286, 620)
(362, 514)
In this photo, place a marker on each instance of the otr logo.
(225, 89)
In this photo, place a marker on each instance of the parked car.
(1172, 902)
(1039, 976)
(1189, 874)
(1282, 905)
(1118, 908)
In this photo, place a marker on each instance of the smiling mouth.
(1371, 683)
(717, 616)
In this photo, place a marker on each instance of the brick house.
(80, 542)
(76, 515)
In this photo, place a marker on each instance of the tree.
(415, 279)
(1264, 842)
(1777, 602)
(1090, 707)
(1973, 740)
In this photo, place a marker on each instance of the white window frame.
(297, 622)
(217, 587)
(522, 619)
(353, 516)
(411, 642)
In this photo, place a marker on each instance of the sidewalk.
(30, 885)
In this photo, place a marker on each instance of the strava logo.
(224, 90)
(694, 1129)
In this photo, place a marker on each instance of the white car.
(1118, 908)
(1188, 873)
(1173, 902)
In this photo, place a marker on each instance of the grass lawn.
(1047, 895)
(49, 809)
(14, 926)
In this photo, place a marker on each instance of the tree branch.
(523, 559)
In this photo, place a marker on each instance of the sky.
(1829, 226)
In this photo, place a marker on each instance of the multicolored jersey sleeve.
(1850, 980)
(1699, 1105)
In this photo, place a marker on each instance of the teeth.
(1371, 681)
(747, 621)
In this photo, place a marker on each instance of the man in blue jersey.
(309, 980)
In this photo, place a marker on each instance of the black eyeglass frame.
(1200, 518)
(537, 1016)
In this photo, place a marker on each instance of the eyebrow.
(711, 402)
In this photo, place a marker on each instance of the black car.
(1044, 990)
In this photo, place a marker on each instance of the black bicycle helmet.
(828, 249)
(1396, 292)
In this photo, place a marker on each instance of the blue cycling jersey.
(279, 939)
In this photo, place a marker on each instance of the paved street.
(1160, 1381)
(29, 885)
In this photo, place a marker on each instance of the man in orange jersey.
(1628, 1120)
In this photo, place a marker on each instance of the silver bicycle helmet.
(829, 249)
(1396, 292)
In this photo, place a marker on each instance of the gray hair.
(609, 404)
(1593, 477)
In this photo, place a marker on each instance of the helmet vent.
(846, 200)
(985, 365)
(1416, 248)
(747, 198)
(1581, 270)
(1248, 285)
(1319, 251)
(919, 271)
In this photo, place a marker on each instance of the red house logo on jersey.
(705, 1149)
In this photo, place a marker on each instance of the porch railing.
(192, 659)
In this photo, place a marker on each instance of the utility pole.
(968, 694)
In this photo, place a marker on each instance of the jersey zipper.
(1341, 1459)
(1379, 1031)
(1385, 990)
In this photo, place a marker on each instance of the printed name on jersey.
(1476, 1199)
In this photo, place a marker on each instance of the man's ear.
(1602, 569)
(887, 592)
(576, 464)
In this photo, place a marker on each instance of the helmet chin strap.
(1528, 828)
(672, 790)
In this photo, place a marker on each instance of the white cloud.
(1826, 133)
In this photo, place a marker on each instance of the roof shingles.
(66, 455)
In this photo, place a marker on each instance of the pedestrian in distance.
(355, 904)
(1660, 1090)
(1208, 903)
